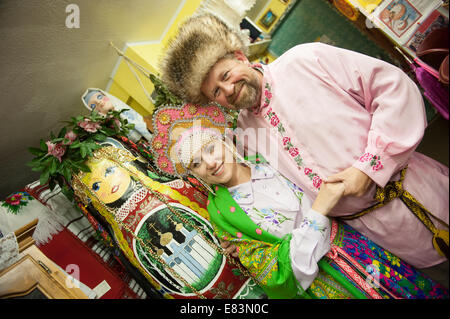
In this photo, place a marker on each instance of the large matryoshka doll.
(161, 225)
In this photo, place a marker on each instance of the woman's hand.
(328, 197)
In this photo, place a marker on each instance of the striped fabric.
(79, 225)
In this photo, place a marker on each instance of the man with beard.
(333, 115)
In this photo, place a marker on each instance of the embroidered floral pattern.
(267, 95)
(222, 291)
(317, 181)
(297, 190)
(237, 195)
(375, 162)
(16, 201)
(268, 215)
(312, 223)
(288, 146)
(260, 169)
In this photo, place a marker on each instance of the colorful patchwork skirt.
(356, 267)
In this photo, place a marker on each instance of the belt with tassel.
(394, 189)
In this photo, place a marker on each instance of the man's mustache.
(237, 89)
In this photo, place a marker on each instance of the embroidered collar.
(260, 171)
(266, 94)
(243, 193)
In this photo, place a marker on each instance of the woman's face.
(215, 164)
(108, 180)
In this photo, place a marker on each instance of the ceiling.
(46, 66)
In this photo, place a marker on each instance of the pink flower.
(275, 120)
(286, 140)
(117, 122)
(268, 94)
(89, 126)
(13, 199)
(365, 157)
(307, 170)
(50, 146)
(378, 166)
(293, 151)
(317, 181)
(56, 150)
(71, 136)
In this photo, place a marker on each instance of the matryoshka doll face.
(101, 103)
(107, 180)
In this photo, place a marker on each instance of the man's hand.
(355, 181)
(329, 195)
(231, 249)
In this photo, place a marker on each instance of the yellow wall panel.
(125, 78)
(147, 55)
(118, 92)
(188, 9)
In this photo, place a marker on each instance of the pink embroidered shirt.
(324, 109)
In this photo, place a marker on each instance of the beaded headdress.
(180, 131)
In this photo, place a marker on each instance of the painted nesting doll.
(162, 227)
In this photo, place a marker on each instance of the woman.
(283, 238)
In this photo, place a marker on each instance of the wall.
(45, 66)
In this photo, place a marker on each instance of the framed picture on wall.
(268, 19)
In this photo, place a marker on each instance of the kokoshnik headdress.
(180, 131)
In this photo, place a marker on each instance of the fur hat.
(200, 42)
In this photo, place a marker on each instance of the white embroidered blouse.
(280, 207)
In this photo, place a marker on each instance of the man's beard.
(250, 96)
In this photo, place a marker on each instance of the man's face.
(101, 103)
(233, 84)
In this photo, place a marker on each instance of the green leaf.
(99, 137)
(43, 146)
(46, 160)
(108, 131)
(32, 164)
(83, 167)
(36, 151)
(83, 150)
(53, 166)
(75, 144)
(62, 132)
(44, 177)
(67, 192)
(52, 184)
(67, 174)
(78, 119)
